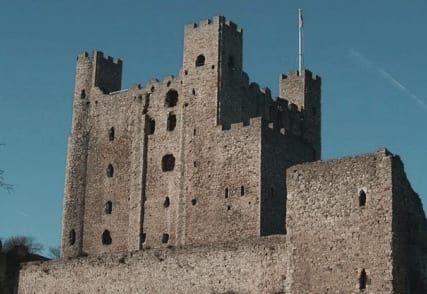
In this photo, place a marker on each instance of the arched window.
(167, 202)
(72, 237)
(362, 280)
(106, 238)
(111, 134)
(362, 198)
(168, 162)
(200, 61)
(171, 98)
(108, 207)
(110, 171)
(171, 123)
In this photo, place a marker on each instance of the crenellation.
(202, 183)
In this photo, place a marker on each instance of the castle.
(202, 183)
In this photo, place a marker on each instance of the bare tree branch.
(28, 243)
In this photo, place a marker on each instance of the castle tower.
(91, 71)
(303, 90)
(212, 67)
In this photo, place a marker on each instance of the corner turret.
(304, 91)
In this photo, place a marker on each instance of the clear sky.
(371, 56)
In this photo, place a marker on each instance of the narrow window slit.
(362, 198)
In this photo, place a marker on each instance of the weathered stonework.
(178, 185)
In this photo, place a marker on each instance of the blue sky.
(370, 55)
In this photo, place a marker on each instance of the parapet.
(295, 74)
(217, 20)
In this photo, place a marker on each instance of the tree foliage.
(28, 243)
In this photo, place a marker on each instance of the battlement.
(217, 20)
(253, 122)
(99, 55)
(295, 74)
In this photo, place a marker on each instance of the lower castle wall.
(258, 266)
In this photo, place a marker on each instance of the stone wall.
(340, 225)
(256, 267)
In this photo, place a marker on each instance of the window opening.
(193, 201)
(72, 237)
(151, 125)
(230, 62)
(108, 207)
(226, 192)
(362, 198)
(111, 134)
(165, 238)
(83, 94)
(200, 61)
(242, 190)
(171, 98)
(362, 280)
(166, 203)
(171, 124)
(110, 171)
(168, 162)
(106, 238)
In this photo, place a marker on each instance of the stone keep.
(178, 186)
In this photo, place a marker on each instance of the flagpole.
(300, 25)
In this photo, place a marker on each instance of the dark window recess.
(228, 207)
(167, 202)
(171, 121)
(72, 237)
(168, 162)
(226, 192)
(143, 237)
(171, 98)
(111, 134)
(193, 201)
(108, 207)
(150, 125)
(200, 60)
(230, 62)
(168, 84)
(165, 238)
(83, 94)
(194, 92)
(362, 198)
(242, 190)
(271, 111)
(106, 238)
(194, 132)
(110, 171)
(362, 280)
